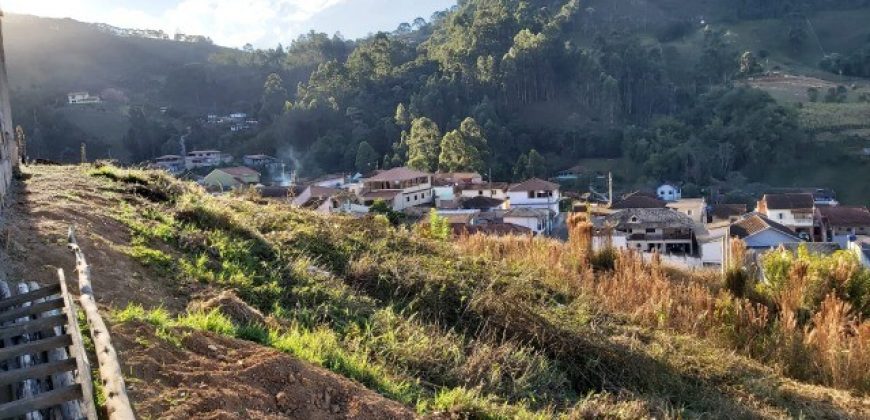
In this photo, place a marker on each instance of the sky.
(233, 23)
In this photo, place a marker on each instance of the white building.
(402, 187)
(669, 192)
(205, 159)
(82, 98)
(695, 208)
(259, 160)
(171, 163)
(536, 220)
(497, 190)
(793, 210)
(534, 193)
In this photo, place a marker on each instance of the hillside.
(481, 328)
(572, 81)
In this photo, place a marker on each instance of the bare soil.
(214, 377)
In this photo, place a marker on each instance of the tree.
(813, 94)
(274, 97)
(462, 149)
(366, 158)
(439, 226)
(423, 144)
(530, 165)
(402, 118)
(748, 64)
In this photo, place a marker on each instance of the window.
(633, 219)
(415, 197)
(689, 212)
(480, 193)
(531, 194)
(407, 199)
(780, 216)
(650, 230)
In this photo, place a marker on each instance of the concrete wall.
(8, 147)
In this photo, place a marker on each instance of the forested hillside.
(654, 90)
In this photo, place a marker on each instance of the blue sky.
(233, 23)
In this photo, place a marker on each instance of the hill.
(572, 81)
(480, 328)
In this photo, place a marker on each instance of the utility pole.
(84, 151)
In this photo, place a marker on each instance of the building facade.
(403, 187)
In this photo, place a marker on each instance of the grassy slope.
(430, 327)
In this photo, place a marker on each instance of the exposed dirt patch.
(45, 204)
(214, 377)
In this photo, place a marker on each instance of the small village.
(686, 232)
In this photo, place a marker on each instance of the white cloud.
(231, 23)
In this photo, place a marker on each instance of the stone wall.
(8, 147)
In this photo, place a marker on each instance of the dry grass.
(827, 345)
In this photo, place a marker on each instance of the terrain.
(227, 307)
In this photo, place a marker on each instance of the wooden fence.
(44, 368)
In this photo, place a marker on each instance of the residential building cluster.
(235, 122)
(689, 230)
(697, 233)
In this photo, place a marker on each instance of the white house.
(534, 193)
(171, 163)
(793, 210)
(259, 160)
(205, 159)
(82, 98)
(497, 190)
(402, 187)
(669, 192)
(331, 181)
(695, 208)
(536, 220)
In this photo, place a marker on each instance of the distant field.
(825, 116)
(107, 122)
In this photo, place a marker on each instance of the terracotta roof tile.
(534, 184)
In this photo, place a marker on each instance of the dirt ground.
(34, 231)
(214, 377)
(207, 376)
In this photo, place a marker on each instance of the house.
(481, 203)
(331, 181)
(326, 200)
(825, 197)
(497, 190)
(860, 246)
(639, 200)
(82, 98)
(725, 213)
(205, 159)
(535, 219)
(695, 208)
(571, 174)
(457, 178)
(759, 232)
(171, 163)
(669, 192)
(403, 187)
(660, 229)
(839, 223)
(260, 161)
(534, 193)
(793, 210)
(229, 178)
